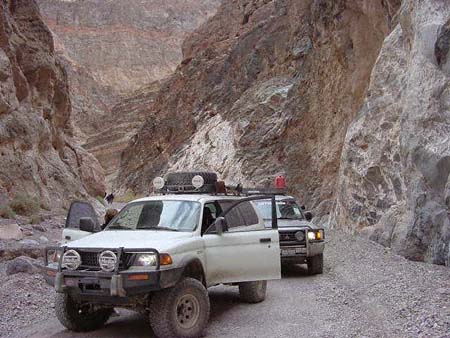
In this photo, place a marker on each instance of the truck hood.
(112, 239)
(291, 223)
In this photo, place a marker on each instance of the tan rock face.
(396, 161)
(265, 88)
(125, 44)
(111, 49)
(37, 153)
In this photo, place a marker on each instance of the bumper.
(299, 253)
(105, 285)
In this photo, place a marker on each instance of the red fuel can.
(280, 182)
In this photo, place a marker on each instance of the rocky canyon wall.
(112, 48)
(394, 178)
(37, 153)
(265, 88)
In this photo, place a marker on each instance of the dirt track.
(366, 291)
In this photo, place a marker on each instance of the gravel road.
(366, 291)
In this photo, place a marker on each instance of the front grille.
(90, 259)
(288, 238)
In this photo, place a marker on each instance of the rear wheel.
(79, 317)
(182, 311)
(253, 292)
(315, 264)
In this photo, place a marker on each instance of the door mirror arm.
(308, 216)
(220, 225)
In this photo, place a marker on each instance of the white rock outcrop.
(394, 176)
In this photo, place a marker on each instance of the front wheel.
(253, 292)
(79, 317)
(182, 311)
(315, 264)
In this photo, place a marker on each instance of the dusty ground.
(366, 291)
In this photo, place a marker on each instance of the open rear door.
(78, 210)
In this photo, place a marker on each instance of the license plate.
(300, 250)
(287, 252)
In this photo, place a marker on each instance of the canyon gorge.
(349, 99)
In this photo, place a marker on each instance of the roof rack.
(264, 191)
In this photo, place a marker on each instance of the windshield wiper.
(117, 227)
(157, 228)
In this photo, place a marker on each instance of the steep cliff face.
(112, 48)
(108, 144)
(125, 44)
(37, 153)
(265, 88)
(394, 179)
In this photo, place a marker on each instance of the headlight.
(145, 259)
(311, 235)
(316, 235)
(71, 260)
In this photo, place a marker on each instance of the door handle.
(68, 237)
(265, 240)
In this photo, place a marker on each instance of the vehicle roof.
(188, 197)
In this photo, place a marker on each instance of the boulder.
(10, 232)
(21, 264)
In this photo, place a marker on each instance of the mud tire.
(68, 313)
(253, 292)
(168, 309)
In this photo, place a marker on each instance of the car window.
(248, 213)
(240, 216)
(233, 218)
(158, 215)
(286, 209)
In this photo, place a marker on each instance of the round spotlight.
(300, 236)
(71, 260)
(107, 260)
(198, 181)
(158, 183)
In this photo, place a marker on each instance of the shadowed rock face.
(265, 88)
(37, 153)
(394, 179)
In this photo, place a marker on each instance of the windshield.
(286, 209)
(158, 215)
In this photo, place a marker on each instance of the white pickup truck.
(159, 255)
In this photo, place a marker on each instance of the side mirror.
(308, 216)
(221, 225)
(87, 224)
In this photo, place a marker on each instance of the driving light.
(71, 260)
(300, 236)
(198, 181)
(158, 183)
(311, 236)
(145, 260)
